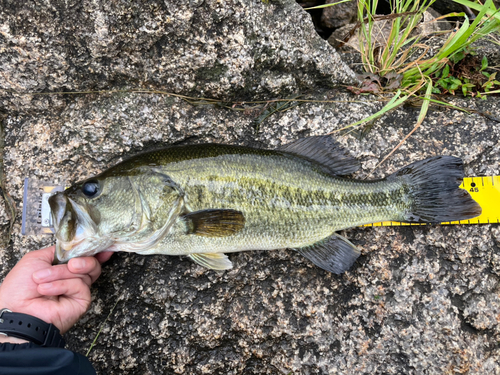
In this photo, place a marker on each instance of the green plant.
(469, 78)
(486, 22)
(492, 81)
(403, 53)
(383, 58)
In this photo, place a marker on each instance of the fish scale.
(312, 210)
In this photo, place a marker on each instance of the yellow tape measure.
(484, 190)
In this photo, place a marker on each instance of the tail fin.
(434, 191)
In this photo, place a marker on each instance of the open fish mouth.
(61, 255)
(73, 225)
(57, 203)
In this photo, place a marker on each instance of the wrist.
(11, 340)
(28, 327)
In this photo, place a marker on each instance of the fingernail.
(42, 274)
(78, 263)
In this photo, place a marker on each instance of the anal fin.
(334, 254)
(214, 223)
(215, 261)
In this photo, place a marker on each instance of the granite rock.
(224, 49)
(419, 300)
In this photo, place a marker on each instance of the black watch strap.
(28, 327)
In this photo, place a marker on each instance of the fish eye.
(90, 188)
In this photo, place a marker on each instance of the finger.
(71, 288)
(46, 255)
(85, 265)
(59, 272)
(104, 256)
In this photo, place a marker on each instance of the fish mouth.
(63, 222)
(57, 203)
(62, 253)
(73, 226)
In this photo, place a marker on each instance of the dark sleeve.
(31, 359)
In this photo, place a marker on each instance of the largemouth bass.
(207, 200)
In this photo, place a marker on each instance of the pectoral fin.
(214, 223)
(334, 254)
(216, 261)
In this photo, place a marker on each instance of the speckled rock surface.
(420, 300)
(211, 48)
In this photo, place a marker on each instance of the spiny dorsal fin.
(334, 254)
(214, 223)
(215, 261)
(325, 151)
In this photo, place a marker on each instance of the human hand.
(56, 294)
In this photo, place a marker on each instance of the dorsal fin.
(324, 150)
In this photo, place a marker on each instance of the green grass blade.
(492, 11)
(472, 29)
(327, 5)
(490, 92)
(421, 117)
(449, 105)
(102, 326)
(425, 104)
(392, 104)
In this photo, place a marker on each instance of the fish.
(206, 200)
